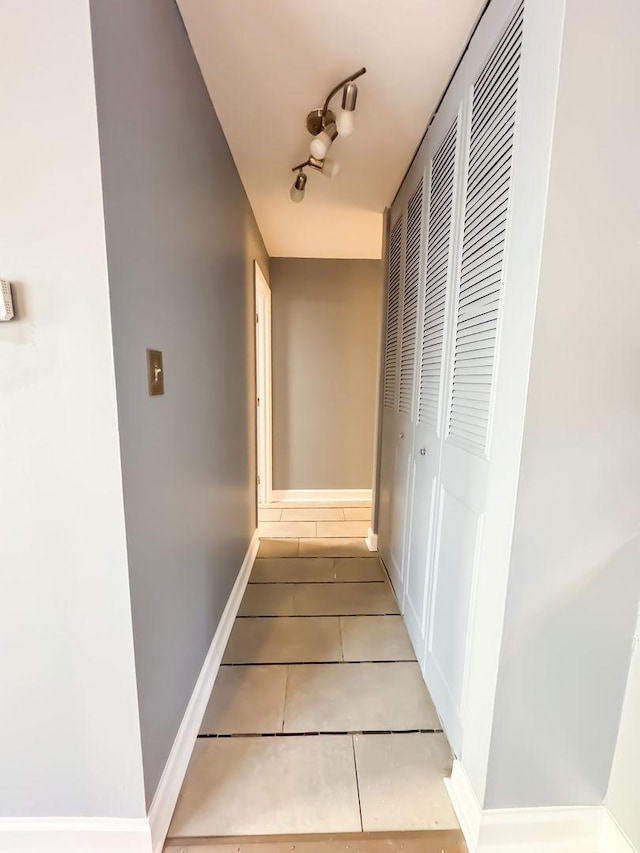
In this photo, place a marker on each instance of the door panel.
(387, 499)
(406, 389)
(429, 426)
(464, 466)
(456, 546)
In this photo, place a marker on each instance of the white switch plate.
(6, 302)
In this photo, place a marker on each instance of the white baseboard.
(372, 540)
(543, 830)
(614, 839)
(166, 795)
(334, 495)
(465, 804)
(75, 835)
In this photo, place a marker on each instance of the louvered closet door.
(405, 417)
(471, 366)
(435, 308)
(391, 378)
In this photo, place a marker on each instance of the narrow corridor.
(319, 721)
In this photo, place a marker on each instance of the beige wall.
(326, 322)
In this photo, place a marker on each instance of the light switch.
(155, 372)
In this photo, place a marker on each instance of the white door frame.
(264, 451)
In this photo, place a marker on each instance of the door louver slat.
(483, 241)
(410, 301)
(393, 317)
(436, 276)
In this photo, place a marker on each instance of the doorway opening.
(263, 387)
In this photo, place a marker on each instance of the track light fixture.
(297, 190)
(325, 126)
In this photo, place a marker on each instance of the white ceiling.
(267, 63)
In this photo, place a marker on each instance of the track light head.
(321, 144)
(298, 188)
(330, 168)
(344, 119)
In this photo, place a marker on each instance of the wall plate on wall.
(155, 372)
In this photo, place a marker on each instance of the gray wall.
(326, 323)
(69, 730)
(574, 580)
(181, 240)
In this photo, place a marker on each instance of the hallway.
(319, 721)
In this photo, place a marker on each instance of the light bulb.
(321, 144)
(297, 190)
(330, 168)
(345, 122)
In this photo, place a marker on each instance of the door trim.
(264, 412)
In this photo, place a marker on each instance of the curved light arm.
(315, 164)
(342, 83)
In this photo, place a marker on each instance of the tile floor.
(311, 520)
(319, 721)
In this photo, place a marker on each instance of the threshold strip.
(326, 734)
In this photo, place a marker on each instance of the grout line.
(294, 583)
(317, 662)
(226, 736)
(309, 615)
(284, 704)
(355, 768)
(331, 556)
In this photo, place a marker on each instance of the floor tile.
(290, 504)
(285, 639)
(267, 600)
(343, 503)
(341, 529)
(358, 569)
(269, 513)
(287, 529)
(278, 548)
(343, 599)
(246, 700)
(357, 513)
(259, 786)
(293, 569)
(357, 697)
(325, 513)
(400, 781)
(433, 841)
(375, 638)
(333, 548)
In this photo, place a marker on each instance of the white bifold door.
(396, 436)
(445, 279)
